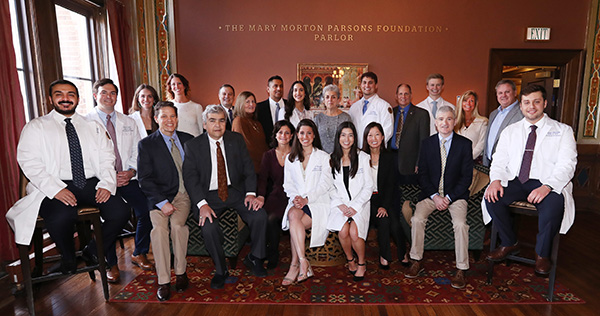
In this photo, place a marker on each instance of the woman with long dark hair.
(297, 106)
(189, 112)
(307, 180)
(350, 198)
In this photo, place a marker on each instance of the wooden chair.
(524, 208)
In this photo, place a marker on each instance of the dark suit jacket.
(513, 116)
(459, 167)
(386, 178)
(263, 113)
(157, 173)
(197, 166)
(414, 130)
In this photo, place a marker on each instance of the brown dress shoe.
(459, 280)
(164, 292)
(181, 282)
(542, 265)
(142, 262)
(500, 253)
(414, 269)
(113, 275)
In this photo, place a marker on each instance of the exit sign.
(538, 34)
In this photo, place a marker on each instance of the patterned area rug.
(514, 284)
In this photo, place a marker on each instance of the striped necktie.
(443, 155)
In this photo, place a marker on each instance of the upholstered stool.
(235, 233)
(85, 216)
(329, 255)
(524, 208)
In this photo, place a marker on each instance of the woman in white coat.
(350, 197)
(142, 109)
(307, 181)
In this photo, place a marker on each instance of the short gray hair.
(333, 88)
(213, 109)
(445, 109)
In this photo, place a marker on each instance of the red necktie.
(221, 174)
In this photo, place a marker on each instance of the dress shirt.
(495, 127)
(62, 145)
(227, 112)
(103, 117)
(447, 146)
(273, 108)
(396, 118)
(428, 105)
(167, 140)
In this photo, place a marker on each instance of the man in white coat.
(125, 137)
(69, 162)
(434, 101)
(534, 161)
(371, 108)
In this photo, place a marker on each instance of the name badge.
(317, 169)
(553, 133)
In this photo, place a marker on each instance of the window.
(21, 46)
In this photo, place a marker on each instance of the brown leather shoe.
(181, 282)
(459, 280)
(113, 275)
(414, 269)
(142, 262)
(500, 253)
(542, 265)
(164, 292)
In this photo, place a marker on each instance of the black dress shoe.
(68, 267)
(181, 283)
(218, 281)
(90, 258)
(255, 266)
(164, 292)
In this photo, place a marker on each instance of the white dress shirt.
(273, 108)
(427, 104)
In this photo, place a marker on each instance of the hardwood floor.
(578, 270)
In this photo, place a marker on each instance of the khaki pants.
(458, 212)
(179, 236)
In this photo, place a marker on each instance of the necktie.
(443, 156)
(434, 108)
(528, 155)
(277, 108)
(399, 128)
(230, 115)
(176, 154)
(221, 174)
(365, 106)
(111, 131)
(76, 156)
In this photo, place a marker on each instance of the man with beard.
(69, 162)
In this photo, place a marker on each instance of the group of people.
(281, 166)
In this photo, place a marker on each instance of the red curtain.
(120, 33)
(12, 120)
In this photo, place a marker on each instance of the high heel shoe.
(289, 281)
(351, 260)
(360, 278)
(383, 266)
(309, 272)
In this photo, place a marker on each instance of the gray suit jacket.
(513, 116)
(414, 131)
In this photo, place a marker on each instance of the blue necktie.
(365, 106)
(76, 156)
(434, 108)
(230, 116)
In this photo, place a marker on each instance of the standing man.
(445, 172)
(507, 113)
(226, 98)
(411, 127)
(268, 110)
(435, 87)
(219, 174)
(160, 164)
(69, 162)
(371, 108)
(535, 160)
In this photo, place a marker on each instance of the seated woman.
(245, 123)
(307, 180)
(297, 105)
(385, 208)
(470, 124)
(188, 111)
(270, 186)
(142, 109)
(350, 197)
(328, 120)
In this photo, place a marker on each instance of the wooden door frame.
(570, 61)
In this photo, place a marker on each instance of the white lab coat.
(378, 110)
(137, 117)
(427, 105)
(361, 189)
(128, 138)
(40, 161)
(316, 186)
(554, 156)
